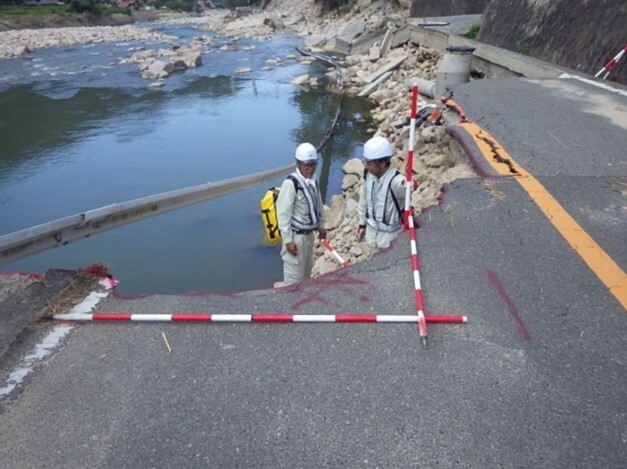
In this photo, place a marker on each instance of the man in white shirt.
(300, 212)
(381, 195)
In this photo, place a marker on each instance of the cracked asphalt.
(536, 378)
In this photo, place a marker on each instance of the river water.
(78, 132)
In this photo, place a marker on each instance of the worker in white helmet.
(300, 212)
(381, 195)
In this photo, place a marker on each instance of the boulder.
(353, 30)
(349, 181)
(353, 166)
(157, 69)
(301, 80)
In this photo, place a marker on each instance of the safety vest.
(376, 215)
(313, 220)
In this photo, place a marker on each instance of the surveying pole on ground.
(409, 164)
(79, 313)
(422, 318)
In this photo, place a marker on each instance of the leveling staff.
(300, 212)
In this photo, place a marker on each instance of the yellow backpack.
(272, 234)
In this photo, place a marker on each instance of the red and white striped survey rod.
(608, 67)
(334, 252)
(409, 184)
(261, 317)
(422, 320)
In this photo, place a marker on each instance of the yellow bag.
(272, 235)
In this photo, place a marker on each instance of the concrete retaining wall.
(492, 61)
(422, 8)
(582, 35)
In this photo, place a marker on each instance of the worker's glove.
(291, 248)
(361, 231)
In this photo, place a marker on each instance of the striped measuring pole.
(334, 252)
(409, 184)
(260, 317)
(422, 320)
(611, 65)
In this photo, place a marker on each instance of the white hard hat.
(306, 152)
(377, 148)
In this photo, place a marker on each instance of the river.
(78, 132)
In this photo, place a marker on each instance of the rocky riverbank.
(438, 159)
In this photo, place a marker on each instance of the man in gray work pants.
(300, 212)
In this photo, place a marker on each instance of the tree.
(82, 6)
(328, 5)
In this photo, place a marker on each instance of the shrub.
(472, 32)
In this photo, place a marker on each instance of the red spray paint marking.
(494, 278)
(314, 291)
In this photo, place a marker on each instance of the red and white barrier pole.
(422, 319)
(334, 252)
(263, 317)
(409, 184)
(611, 65)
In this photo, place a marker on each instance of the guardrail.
(60, 232)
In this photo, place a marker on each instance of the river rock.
(350, 207)
(349, 181)
(20, 51)
(301, 80)
(353, 166)
(429, 134)
(435, 159)
(353, 30)
(356, 251)
(157, 69)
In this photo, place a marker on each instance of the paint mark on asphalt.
(496, 281)
(50, 343)
(315, 292)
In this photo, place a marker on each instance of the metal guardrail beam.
(60, 232)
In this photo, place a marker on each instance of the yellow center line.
(588, 249)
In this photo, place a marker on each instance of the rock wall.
(422, 8)
(582, 35)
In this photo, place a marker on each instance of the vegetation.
(333, 4)
(178, 5)
(472, 32)
(85, 6)
(15, 8)
(22, 10)
(234, 3)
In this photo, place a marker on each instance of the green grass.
(43, 10)
(472, 32)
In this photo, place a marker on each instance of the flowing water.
(78, 132)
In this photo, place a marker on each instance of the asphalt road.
(536, 378)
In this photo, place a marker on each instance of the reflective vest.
(376, 214)
(313, 220)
